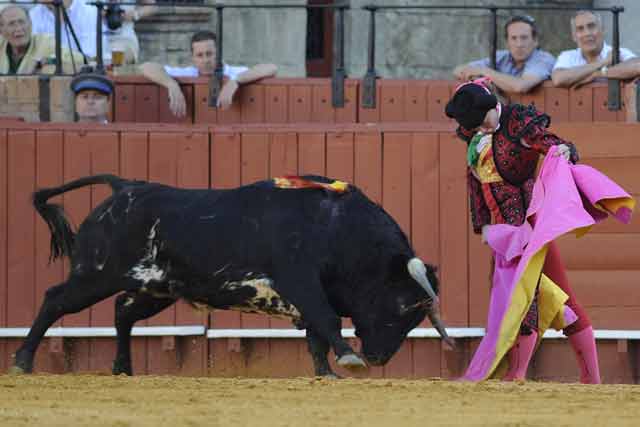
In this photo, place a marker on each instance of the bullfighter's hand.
(225, 99)
(485, 229)
(564, 151)
(177, 104)
(470, 73)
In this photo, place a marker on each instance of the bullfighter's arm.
(480, 214)
(530, 127)
(157, 74)
(260, 71)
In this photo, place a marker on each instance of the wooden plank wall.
(415, 172)
(296, 100)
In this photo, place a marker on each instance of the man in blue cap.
(92, 93)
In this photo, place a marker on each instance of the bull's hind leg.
(72, 296)
(131, 307)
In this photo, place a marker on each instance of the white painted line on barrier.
(415, 333)
(196, 330)
(92, 332)
(346, 333)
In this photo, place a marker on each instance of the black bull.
(310, 254)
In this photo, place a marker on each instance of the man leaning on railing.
(22, 52)
(520, 68)
(203, 57)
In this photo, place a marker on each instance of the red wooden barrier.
(4, 208)
(138, 100)
(414, 170)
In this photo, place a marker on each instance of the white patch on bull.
(108, 211)
(129, 201)
(147, 270)
(224, 267)
(152, 232)
(147, 273)
(128, 301)
(266, 300)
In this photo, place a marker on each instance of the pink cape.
(566, 198)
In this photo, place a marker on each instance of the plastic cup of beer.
(117, 56)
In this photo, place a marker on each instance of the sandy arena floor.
(79, 400)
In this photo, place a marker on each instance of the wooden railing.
(309, 100)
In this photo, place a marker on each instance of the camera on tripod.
(114, 15)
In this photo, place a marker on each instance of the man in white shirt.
(203, 56)
(83, 20)
(592, 59)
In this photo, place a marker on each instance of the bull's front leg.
(319, 349)
(305, 292)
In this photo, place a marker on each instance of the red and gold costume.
(501, 183)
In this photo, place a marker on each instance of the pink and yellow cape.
(566, 198)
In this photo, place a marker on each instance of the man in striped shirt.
(520, 68)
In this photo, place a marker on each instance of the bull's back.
(253, 225)
(249, 225)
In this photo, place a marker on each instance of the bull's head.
(409, 296)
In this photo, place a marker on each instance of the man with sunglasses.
(521, 67)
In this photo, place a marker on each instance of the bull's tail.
(62, 235)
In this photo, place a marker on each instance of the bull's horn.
(434, 316)
(418, 271)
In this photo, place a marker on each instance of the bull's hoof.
(328, 376)
(119, 368)
(22, 364)
(351, 361)
(17, 370)
(332, 377)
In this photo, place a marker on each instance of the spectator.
(203, 56)
(520, 68)
(592, 59)
(124, 36)
(82, 18)
(92, 94)
(22, 52)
